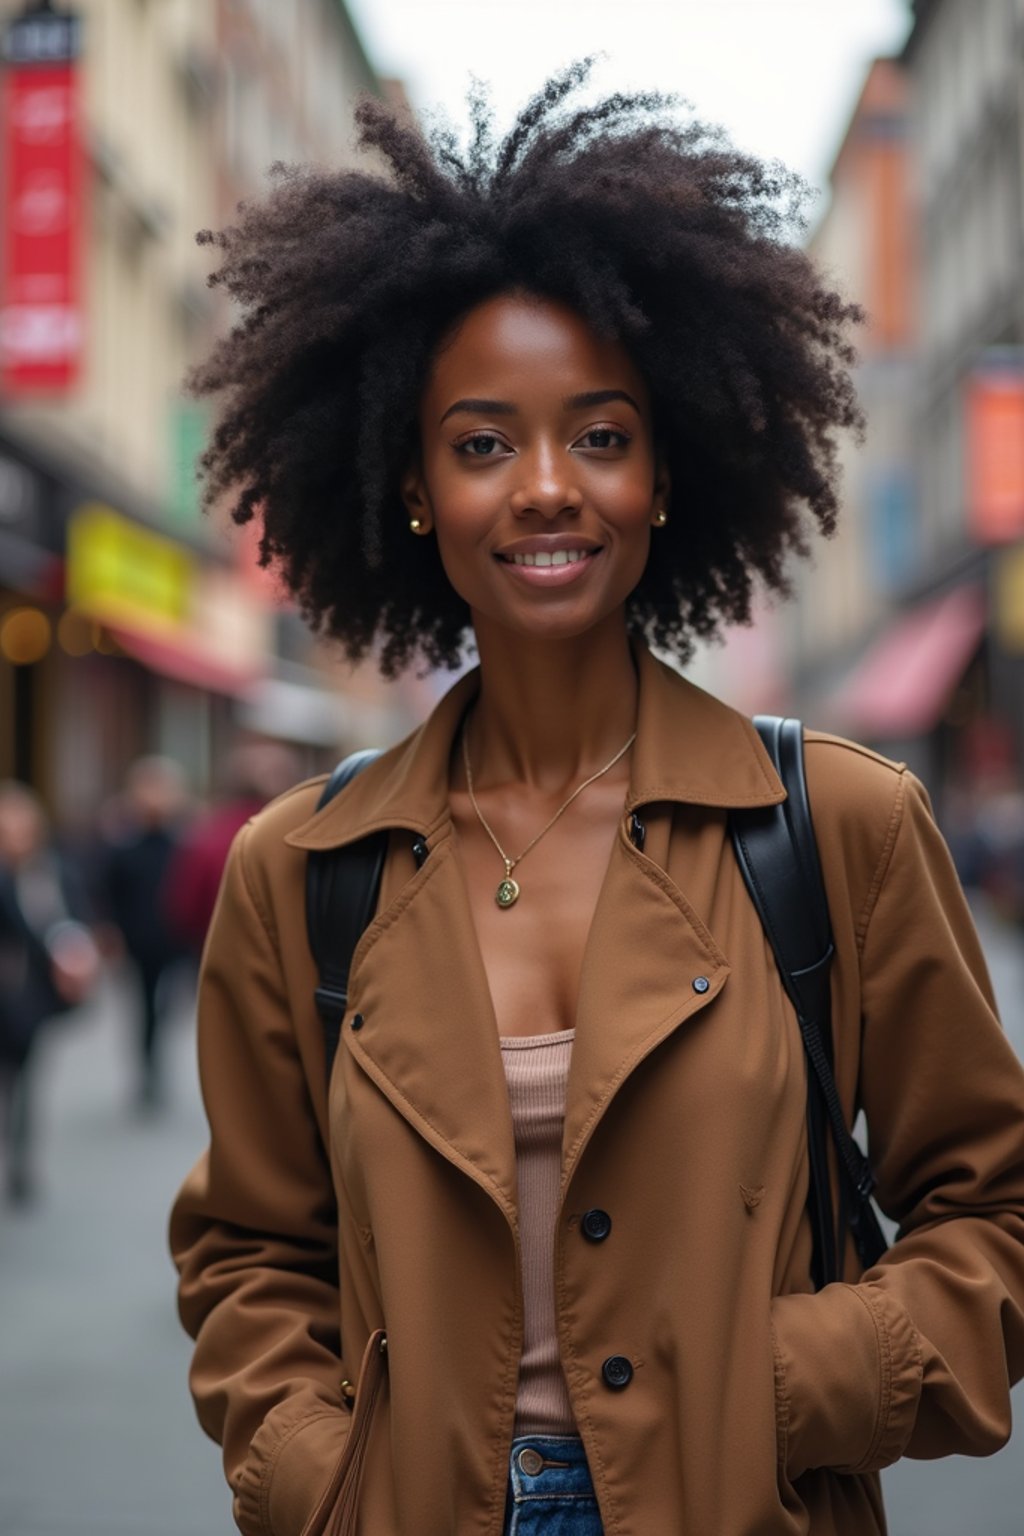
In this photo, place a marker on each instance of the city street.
(97, 1432)
(343, 345)
(97, 1435)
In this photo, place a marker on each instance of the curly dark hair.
(656, 230)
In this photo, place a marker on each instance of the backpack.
(778, 858)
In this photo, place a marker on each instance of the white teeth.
(556, 557)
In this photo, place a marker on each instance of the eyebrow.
(599, 397)
(570, 403)
(481, 408)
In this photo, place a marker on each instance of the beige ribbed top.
(537, 1072)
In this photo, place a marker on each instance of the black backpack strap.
(778, 856)
(342, 887)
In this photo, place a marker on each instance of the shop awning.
(901, 687)
(180, 658)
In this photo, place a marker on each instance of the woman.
(540, 1261)
(48, 965)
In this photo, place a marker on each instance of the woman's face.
(537, 473)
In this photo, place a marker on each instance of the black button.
(596, 1226)
(617, 1372)
(357, 1021)
(701, 984)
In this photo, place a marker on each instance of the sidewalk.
(97, 1434)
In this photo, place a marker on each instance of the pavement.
(97, 1433)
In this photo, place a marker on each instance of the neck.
(550, 712)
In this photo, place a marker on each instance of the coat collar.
(690, 748)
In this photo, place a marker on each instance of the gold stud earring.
(661, 517)
(415, 525)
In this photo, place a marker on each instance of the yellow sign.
(1009, 599)
(120, 573)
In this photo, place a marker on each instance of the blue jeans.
(549, 1488)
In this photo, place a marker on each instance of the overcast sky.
(780, 75)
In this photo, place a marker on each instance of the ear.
(416, 498)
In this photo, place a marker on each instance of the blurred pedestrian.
(138, 852)
(48, 965)
(253, 773)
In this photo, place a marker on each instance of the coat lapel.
(650, 965)
(429, 1038)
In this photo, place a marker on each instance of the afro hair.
(653, 227)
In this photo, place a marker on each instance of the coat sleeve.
(253, 1233)
(918, 1357)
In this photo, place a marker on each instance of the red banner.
(40, 279)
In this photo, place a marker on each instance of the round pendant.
(507, 893)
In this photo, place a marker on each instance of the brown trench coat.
(755, 1407)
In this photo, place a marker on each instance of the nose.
(547, 486)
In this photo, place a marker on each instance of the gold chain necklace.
(507, 893)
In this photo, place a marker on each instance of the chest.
(533, 950)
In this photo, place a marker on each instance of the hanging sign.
(995, 448)
(41, 218)
(119, 572)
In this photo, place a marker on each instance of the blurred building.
(867, 244)
(92, 426)
(128, 623)
(966, 64)
(797, 655)
(908, 628)
(909, 633)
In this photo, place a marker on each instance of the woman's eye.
(482, 445)
(604, 437)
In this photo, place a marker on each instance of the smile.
(550, 557)
(549, 567)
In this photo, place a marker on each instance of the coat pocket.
(336, 1512)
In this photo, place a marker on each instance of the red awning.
(901, 687)
(180, 658)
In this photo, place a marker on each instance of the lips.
(551, 562)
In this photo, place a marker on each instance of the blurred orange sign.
(995, 454)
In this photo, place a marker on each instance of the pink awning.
(901, 687)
